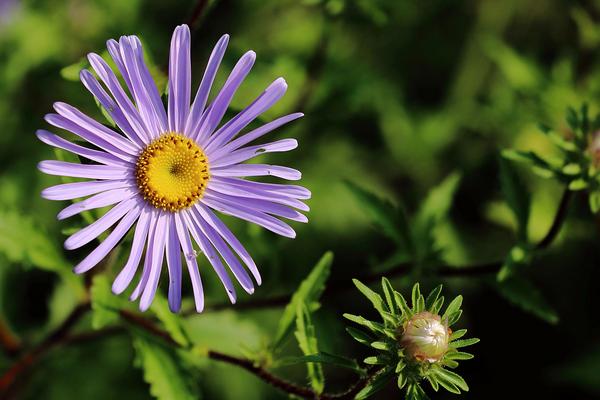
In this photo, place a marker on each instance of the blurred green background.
(398, 95)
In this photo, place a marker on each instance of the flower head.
(165, 171)
(425, 337)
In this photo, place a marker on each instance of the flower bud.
(425, 337)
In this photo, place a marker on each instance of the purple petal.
(219, 106)
(180, 79)
(293, 191)
(112, 83)
(90, 171)
(243, 170)
(115, 52)
(262, 103)
(94, 155)
(70, 191)
(266, 221)
(216, 184)
(234, 265)
(142, 94)
(174, 266)
(95, 229)
(197, 109)
(264, 206)
(126, 275)
(255, 134)
(158, 252)
(100, 200)
(211, 255)
(190, 259)
(109, 243)
(247, 153)
(91, 137)
(116, 141)
(112, 108)
(229, 237)
(154, 213)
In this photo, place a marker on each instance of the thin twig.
(196, 13)
(11, 344)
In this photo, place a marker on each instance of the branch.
(197, 12)
(9, 341)
(31, 357)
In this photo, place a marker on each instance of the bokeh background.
(398, 95)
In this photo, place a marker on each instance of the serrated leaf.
(307, 341)
(463, 343)
(517, 196)
(458, 334)
(162, 370)
(390, 219)
(458, 355)
(453, 307)
(376, 384)
(308, 293)
(172, 323)
(360, 336)
(525, 295)
(372, 325)
(406, 310)
(432, 297)
(450, 380)
(373, 297)
(390, 299)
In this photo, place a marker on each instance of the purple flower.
(167, 170)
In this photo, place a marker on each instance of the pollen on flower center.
(172, 172)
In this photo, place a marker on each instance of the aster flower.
(165, 171)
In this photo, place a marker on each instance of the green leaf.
(453, 307)
(458, 355)
(374, 297)
(307, 341)
(450, 379)
(432, 297)
(372, 325)
(516, 195)
(360, 336)
(71, 72)
(525, 295)
(390, 299)
(415, 392)
(172, 322)
(390, 219)
(432, 212)
(162, 370)
(105, 304)
(439, 200)
(463, 343)
(406, 310)
(418, 302)
(377, 383)
(458, 334)
(308, 293)
(324, 358)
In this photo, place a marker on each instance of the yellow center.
(172, 172)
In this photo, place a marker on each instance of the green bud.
(425, 337)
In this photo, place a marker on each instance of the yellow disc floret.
(172, 172)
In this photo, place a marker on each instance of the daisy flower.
(164, 172)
